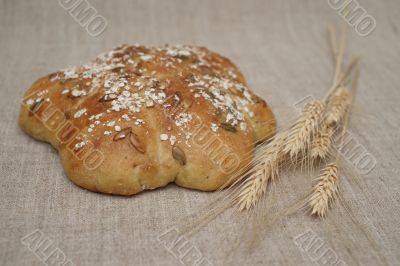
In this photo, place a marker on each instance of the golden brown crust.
(140, 117)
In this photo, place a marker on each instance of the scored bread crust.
(139, 117)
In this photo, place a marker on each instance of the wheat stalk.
(306, 137)
(324, 191)
(338, 109)
(302, 132)
(292, 141)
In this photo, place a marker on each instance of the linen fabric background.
(282, 48)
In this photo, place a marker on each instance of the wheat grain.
(301, 133)
(324, 191)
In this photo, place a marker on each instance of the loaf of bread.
(138, 118)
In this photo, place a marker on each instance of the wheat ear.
(321, 144)
(301, 133)
(292, 142)
(324, 191)
(338, 106)
(265, 169)
(255, 186)
(326, 188)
